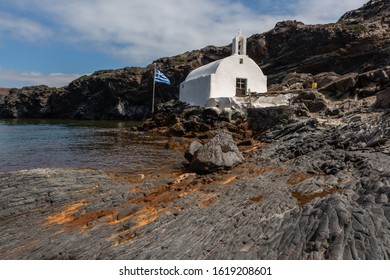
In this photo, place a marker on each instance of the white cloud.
(140, 31)
(22, 28)
(10, 78)
(321, 11)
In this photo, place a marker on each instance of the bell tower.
(239, 44)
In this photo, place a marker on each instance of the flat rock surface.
(312, 189)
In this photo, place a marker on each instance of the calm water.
(107, 145)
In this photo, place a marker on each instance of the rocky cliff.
(359, 42)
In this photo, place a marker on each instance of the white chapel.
(231, 77)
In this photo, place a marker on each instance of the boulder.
(221, 152)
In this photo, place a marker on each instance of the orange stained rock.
(304, 198)
(256, 199)
(66, 215)
(228, 180)
(87, 218)
(298, 177)
(147, 215)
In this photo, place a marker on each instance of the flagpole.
(154, 86)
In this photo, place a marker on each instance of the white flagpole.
(154, 86)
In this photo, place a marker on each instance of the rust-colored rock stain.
(256, 199)
(304, 198)
(298, 177)
(87, 218)
(149, 203)
(66, 215)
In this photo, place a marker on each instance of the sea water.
(106, 145)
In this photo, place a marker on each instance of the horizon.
(54, 42)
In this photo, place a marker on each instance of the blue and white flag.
(161, 78)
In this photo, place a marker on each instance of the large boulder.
(221, 152)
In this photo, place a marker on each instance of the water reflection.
(106, 145)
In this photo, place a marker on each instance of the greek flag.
(161, 78)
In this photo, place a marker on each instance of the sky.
(53, 42)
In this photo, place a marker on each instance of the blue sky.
(53, 42)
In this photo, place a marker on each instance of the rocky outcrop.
(29, 102)
(116, 94)
(354, 84)
(179, 119)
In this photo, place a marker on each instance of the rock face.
(116, 94)
(221, 152)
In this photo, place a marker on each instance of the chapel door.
(241, 87)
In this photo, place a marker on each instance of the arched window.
(241, 46)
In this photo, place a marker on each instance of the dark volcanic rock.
(221, 152)
(261, 119)
(176, 118)
(115, 94)
(30, 102)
